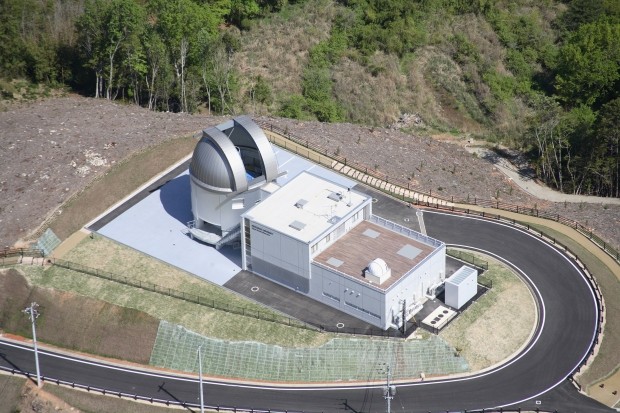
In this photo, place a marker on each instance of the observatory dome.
(216, 164)
(231, 165)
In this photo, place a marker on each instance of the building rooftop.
(306, 207)
(352, 253)
(461, 275)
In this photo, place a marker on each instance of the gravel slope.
(53, 148)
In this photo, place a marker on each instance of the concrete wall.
(279, 258)
(413, 288)
(349, 296)
(219, 209)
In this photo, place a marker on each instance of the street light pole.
(202, 408)
(389, 391)
(33, 314)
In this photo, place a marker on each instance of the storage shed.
(461, 287)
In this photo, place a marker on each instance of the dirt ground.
(35, 400)
(113, 332)
(55, 147)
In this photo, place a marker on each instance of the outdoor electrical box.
(461, 287)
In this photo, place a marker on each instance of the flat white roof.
(461, 275)
(306, 207)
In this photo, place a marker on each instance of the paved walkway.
(526, 182)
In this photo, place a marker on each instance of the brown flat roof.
(352, 253)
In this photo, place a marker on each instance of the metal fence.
(219, 305)
(209, 407)
(561, 247)
(136, 397)
(10, 256)
(468, 258)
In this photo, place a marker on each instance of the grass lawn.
(76, 322)
(198, 318)
(10, 393)
(117, 183)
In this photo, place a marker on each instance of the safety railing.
(175, 402)
(9, 256)
(468, 258)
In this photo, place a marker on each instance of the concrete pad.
(439, 317)
(68, 244)
(294, 165)
(157, 226)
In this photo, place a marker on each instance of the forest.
(539, 76)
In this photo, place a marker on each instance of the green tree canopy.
(589, 65)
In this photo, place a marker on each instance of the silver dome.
(216, 165)
(218, 161)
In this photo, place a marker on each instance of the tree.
(260, 92)
(91, 39)
(156, 63)
(107, 29)
(293, 108)
(589, 65)
(580, 12)
(178, 23)
(547, 139)
(608, 134)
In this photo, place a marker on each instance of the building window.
(328, 237)
(333, 297)
(314, 248)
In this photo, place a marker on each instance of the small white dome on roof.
(378, 268)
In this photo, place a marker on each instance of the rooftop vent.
(301, 203)
(334, 219)
(335, 196)
(297, 225)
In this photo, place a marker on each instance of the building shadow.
(176, 200)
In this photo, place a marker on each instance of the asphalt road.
(535, 378)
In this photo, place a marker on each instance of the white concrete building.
(321, 239)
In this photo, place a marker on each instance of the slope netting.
(340, 359)
(48, 242)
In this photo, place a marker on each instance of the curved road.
(567, 327)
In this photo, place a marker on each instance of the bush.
(293, 107)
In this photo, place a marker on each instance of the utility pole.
(33, 314)
(389, 391)
(202, 404)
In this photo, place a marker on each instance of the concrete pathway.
(526, 182)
